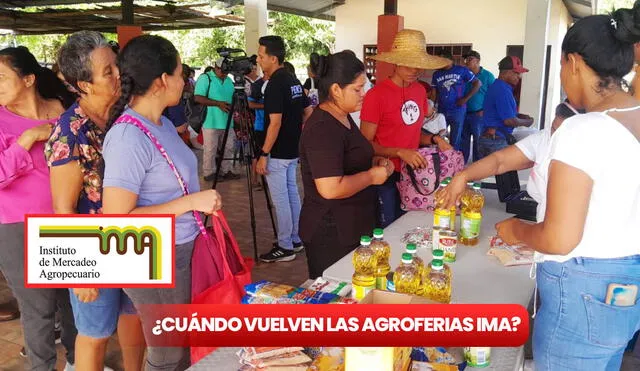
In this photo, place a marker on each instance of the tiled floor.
(236, 207)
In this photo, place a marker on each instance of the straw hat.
(409, 49)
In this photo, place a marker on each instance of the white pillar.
(535, 52)
(255, 23)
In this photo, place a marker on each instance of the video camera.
(236, 63)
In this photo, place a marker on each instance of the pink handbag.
(417, 187)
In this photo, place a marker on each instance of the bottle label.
(470, 227)
(442, 220)
(381, 282)
(359, 292)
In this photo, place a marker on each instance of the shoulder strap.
(128, 119)
(414, 181)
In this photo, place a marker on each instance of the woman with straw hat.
(393, 112)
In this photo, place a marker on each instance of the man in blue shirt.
(500, 111)
(473, 121)
(450, 83)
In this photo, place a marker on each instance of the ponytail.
(126, 89)
(342, 68)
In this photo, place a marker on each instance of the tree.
(606, 6)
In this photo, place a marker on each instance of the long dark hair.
(48, 85)
(143, 59)
(605, 43)
(341, 68)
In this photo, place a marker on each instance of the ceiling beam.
(26, 3)
(284, 9)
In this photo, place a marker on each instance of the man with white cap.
(393, 112)
(214, 90)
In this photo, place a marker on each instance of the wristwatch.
(262, 153)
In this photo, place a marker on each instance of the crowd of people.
(82, 145)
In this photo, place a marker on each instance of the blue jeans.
(99, 318)
(487, 146)
(574, 329)
(455, 119)
(389, 201)
(283, 188)
(472, 127)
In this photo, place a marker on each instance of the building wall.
(559, 23)
(442, 21)
(490, 25)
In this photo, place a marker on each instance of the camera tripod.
(240, 105)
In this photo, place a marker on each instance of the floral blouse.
(74, 130)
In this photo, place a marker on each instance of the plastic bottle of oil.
(437, 254)
(453, 211)
(407, 277)
(364, 264)
(382, 249)
(471, 219)
(417, 261)
(442, 216)
(438, 287)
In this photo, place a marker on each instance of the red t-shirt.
(398, 112)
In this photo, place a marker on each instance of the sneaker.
(278, 254)
(58, 334)
(298, 246)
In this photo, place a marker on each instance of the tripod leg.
(251, 209)
(267, 196)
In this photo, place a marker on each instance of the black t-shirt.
(284, 94)
(307, 83)
(328, 149)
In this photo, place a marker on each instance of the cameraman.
(286, 107)
(214, 90)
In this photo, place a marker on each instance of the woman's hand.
(86, 295)
(35, 134)
(379, 175)
(208, 201)
(449, 196)
(383, 161)
(443, 145)
(506, 230)
(413, 158)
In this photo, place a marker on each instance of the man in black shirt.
(286, 107)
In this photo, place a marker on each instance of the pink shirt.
(24, 175)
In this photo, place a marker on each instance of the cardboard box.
(388, 297)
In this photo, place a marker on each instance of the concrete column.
(255, 23)
(388, 27)
(535, 50)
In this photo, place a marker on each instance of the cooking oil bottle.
(453, 211)
(407, 277)
(437, 254)
(382, 250)
(442, 216)
(417, 262)
(438, 286)
(364, 264)
(471, 219)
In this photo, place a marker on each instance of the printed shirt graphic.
(75, 130)
(450, 85)
(391, 108)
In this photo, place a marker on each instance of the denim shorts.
(99, 319)
(574, 328)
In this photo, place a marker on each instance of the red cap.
(512, 63)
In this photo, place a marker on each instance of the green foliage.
(606, 6)
(198, 47)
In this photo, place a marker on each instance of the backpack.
(199, 111)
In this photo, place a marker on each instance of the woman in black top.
(338, 166)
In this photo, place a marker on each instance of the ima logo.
(145, 238)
